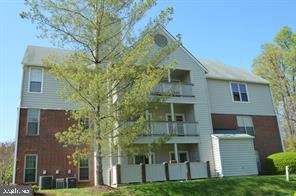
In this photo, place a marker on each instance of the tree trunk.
(99, 158)
(98, 150)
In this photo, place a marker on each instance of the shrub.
(35, 189)
(276, 163)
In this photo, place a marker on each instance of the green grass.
(251, 185)
(69, 192)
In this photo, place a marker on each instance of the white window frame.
(29, 79)
(179, 151)
(24, 172)
(38, 128)
(152, 154)
(245, 127)
(239, 92)
(88, 172)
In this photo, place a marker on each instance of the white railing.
(177, 171)
(172, 128)
(174, 89)
(130, 173)
(122, 174)
(155, 172)
(198, 170)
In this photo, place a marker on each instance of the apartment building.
(221, 118)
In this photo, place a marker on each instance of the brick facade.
(267, 137)
(52, 155)
(222, 121)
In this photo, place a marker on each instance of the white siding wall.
(217, 158)
(221, 99)
(50, 97)
(238, 157)
(200, 100)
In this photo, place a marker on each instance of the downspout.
(17, 129)
(16, 145)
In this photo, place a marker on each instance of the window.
(239, 92)
(183, 156)
(84, 170)
(33, 122)
(143, 158)
(245, 124)
(35, 80)
(30, 169)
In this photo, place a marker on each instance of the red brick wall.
(267, 137)
(51, 155)
(222, 121)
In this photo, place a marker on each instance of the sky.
(230, 31)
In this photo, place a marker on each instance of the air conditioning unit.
(60, 183)
(71, 182)
(46, 182)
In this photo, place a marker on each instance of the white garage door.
(238, 157)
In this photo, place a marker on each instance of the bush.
(276, 163)
(35, 189)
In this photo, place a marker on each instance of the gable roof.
(35, 54)
(184, 49)
(220, 71)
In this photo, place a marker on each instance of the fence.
(123, 174)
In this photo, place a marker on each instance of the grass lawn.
(251, 185)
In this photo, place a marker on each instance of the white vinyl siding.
(200, 102)
(50, 98)
(33, 122)
(260, 100)
(30, 168)
(35, 80)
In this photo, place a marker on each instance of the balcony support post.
(172, 117)
(176, 152)
(169, 76)
(172, 112)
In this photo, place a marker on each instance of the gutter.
(17, 129)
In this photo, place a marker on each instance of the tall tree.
(277, 64)
(6, 162)
(110, 72)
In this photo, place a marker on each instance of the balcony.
(174, 89)
(171, 128)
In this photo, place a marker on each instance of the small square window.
(239, 92)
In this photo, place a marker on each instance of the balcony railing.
(173, 89)
(172, 128)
